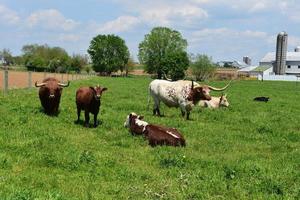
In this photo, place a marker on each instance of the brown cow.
(88, 99)
(155, 134)
(50, 93)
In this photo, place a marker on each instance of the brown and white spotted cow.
(155, 134)
(183, 94)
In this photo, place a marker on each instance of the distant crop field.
(19, 79)
(250, 150)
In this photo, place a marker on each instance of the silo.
(247, 60)
(281, 50)
(297, 49)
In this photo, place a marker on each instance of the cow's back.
(159, 135)
(171, 93)
(83, 96)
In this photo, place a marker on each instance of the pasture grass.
(250, 150)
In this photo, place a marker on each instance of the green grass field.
(248, 151)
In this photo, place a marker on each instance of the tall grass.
(249, 151)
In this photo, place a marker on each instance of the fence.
(15, 79)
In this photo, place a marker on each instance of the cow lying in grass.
(155, 134)
(215, 102)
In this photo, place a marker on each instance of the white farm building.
(292, 66)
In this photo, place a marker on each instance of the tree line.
(45, 58)
(162, 52)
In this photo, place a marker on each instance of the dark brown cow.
(155, 134)
(50, 93)
(89, 100)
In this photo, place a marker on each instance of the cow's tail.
(149, 97)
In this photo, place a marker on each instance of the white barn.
(292, 62)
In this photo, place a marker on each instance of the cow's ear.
(199, 89)
(141, 117)
(92, 88)
(103, 89)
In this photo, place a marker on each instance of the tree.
(160, 49)
(45, 58)
(109, 53)
(77, 62)
(129, 66)
(7, 56)
(202, 67)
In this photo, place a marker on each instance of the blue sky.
(223, 29)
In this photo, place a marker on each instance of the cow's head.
(223, 101)
(199, 93)
(135, 123)
(97, 91)
(202, 92)
(52, 87)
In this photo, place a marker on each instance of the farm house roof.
(290, 56)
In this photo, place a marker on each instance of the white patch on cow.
(140, 122)
(170, 133)
(126, 123)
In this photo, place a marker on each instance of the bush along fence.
(15, 79)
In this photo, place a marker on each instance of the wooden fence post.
(29, 79)
(5, 81)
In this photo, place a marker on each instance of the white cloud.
(225, 43)
(69, 37)
(121, 24)
(50, 19)
(226, 33)
(173, 14)
(8, 16)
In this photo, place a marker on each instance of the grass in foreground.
(248, 151)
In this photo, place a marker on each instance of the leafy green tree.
(7, 56)
(129, 66)
(202, 67)
(77, 62)
(18, 60)
(109, 53)
(42, 57)
(160, 50)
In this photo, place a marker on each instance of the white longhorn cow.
(182, 93)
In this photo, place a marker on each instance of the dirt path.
(20, 79)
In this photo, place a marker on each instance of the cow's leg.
(183, 110)
(95, 120)
(87, 118)
(188, 115)
(78, 114)
(156, 107)
(182, 113)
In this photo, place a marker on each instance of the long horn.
(64, 85)
(219, 89)
(39, 84)
(166, 77)
(192, 84)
